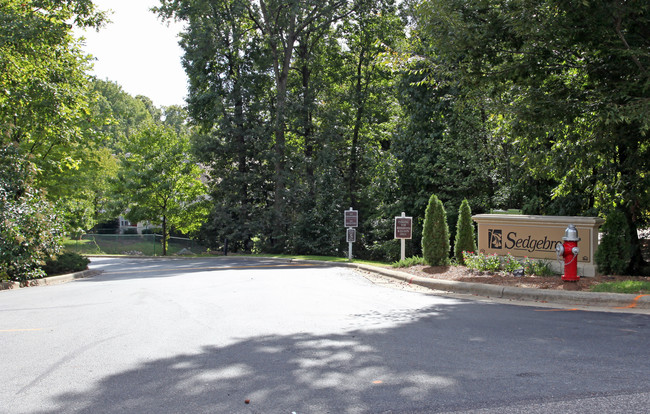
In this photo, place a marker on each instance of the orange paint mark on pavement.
(631, 305)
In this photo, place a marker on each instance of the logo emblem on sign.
(495, 239)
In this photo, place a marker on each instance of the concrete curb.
(610, 300)
(52, 280)
(593, 299)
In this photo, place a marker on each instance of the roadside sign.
(351, 218)
(351, 235)
(403, 227)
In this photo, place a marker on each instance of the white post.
(350, 251)
(403, 242)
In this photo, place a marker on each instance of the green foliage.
(410, 261)
(30, 229)
(507, 263)
(614, 251)
(160, 183)
(482, 262)
(465, 240)
(43, 99)
(626, 286)
(537, 267)
(563, 85)
(67, 262)
(435, 234)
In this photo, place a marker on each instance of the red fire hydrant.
(569, 251)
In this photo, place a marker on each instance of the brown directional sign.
(351, 218)
(351, 235)
(403, 227)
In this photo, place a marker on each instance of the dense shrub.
(465, 240)
(614, 252)
(435, 234)
(509, 264)
(67, 262)
(30, 227)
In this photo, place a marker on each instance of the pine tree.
(435, 234)
(465, 239)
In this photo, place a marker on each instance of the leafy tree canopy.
(159, 182)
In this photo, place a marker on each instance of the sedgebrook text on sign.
(535, 237)
(516, 241)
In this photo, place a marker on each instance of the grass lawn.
(625, 286)
(125, 244)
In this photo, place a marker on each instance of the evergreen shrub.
(67, 262)
(614, 252)
(465, 240)
(435, 234)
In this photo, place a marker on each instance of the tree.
(465, 240)
(29, 226)
(569, 80)
(228, 26)
(160, 183)
(229, 102)
(43, 100)
(435, 234)
(117, 114)
(614, 255)
(341, 110)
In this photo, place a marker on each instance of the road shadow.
(440, 358)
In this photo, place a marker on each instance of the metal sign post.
(351, 237)
(350, 220)
(403, 231)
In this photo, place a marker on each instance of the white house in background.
(125, 226)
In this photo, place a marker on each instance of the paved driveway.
(206, 335)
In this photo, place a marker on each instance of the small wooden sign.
(351, 218)
(403, 227)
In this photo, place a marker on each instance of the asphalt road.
(206, 336)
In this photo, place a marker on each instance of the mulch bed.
(462, 274)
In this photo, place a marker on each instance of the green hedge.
(67, 262)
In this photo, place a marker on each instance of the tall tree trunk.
(164, 235)
(307, 101)
(358, 119)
